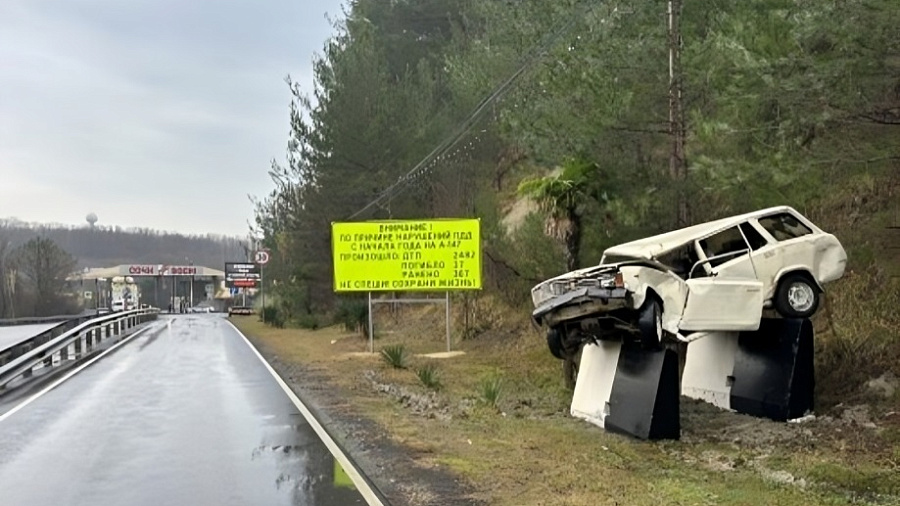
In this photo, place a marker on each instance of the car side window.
(726, 241)
(784, 226)
(754, 238)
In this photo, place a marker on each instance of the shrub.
(353, 314)
(308, 321)
(395, 356)
(272, 316)
(429, 377)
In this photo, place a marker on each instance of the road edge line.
(362, 484)
(18, 407)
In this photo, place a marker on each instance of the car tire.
(650, 324)
(796, 297)
(554, 342)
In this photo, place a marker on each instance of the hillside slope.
(103, 247)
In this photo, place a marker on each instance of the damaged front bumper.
(579, 303)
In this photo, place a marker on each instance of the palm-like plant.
(562, 198)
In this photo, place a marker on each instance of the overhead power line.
(531, 57)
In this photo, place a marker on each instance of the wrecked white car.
(716, 276)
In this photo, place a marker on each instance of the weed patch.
(428, 376)
(490, 389)
(395, 356)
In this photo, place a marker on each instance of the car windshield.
(679, 260)
(618, 259)
(661, 262)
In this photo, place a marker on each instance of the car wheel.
(650, 324)
(554, 342)
(796, 297)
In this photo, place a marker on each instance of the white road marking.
(60, 381)
(361, 484)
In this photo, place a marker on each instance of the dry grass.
(528, 451)
(858, 329)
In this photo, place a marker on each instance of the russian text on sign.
(415, 255)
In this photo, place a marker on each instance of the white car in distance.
(715, 276)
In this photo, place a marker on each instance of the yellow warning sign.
(427, 255)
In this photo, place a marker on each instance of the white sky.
(162, 114)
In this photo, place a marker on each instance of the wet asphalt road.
(183, 414)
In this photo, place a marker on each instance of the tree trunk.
(573, 240)
(571, 361)
(570, 372)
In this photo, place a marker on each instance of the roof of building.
(197, 271)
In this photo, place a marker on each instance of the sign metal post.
(447, 299)
(371, 327)
(262, 258)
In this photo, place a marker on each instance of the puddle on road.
(310, 474)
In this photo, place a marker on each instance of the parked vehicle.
(715, 276)
(125, 294)
(240, 310)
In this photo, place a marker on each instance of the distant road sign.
(262, 257)
(420, 255)
(241, 274)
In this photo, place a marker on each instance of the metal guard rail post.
(92, 331)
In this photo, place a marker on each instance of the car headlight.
(614, 281)
(539, 294)
(549, 289)
(545, 291)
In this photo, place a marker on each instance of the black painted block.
(774, 376)
(644, 400)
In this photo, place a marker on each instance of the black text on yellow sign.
(426, 255)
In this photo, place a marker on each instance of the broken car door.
(731, 298)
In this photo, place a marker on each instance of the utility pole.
(677, 159)
(191, 303)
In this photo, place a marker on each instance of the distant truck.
(125, 294)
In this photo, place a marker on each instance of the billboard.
(241, 275)
(422, 255)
